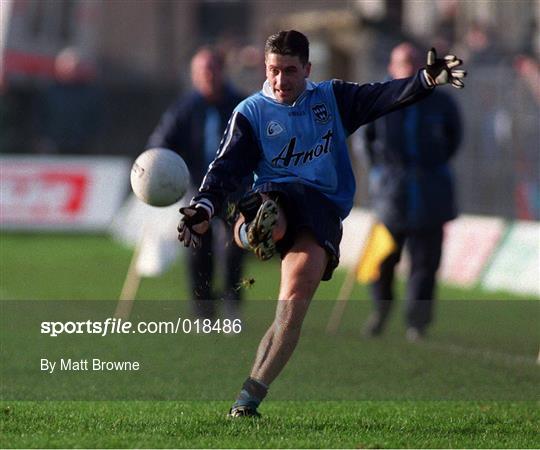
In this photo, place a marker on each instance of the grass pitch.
(473, 384)
(286, 424)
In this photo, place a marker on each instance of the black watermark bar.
(79, 350)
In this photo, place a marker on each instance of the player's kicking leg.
(302, 269)
(260, 226)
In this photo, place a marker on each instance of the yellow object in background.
(379, 245)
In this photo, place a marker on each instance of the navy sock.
(251, 394)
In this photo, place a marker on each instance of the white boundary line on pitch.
(494, 356)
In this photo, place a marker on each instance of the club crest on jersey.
(274, 128)
(321, 113)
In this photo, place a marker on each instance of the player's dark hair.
(290, 42)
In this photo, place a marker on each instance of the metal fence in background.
(498, 167)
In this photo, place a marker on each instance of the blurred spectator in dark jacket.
(69, 111)
(10, 118)
(412, 192)
(193, 127)
(480, 45)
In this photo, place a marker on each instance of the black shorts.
(307, 208)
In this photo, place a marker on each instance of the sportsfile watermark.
(118, 326)
(82, 350)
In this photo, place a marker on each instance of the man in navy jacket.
(412, 192)
(193, 127)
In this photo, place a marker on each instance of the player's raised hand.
(194, 223)
(440, 71)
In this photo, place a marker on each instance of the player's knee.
(302, 289)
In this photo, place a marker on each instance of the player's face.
(287, 76)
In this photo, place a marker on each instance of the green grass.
(285, 424)
(91, 267)
(473, 384)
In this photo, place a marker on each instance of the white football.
(159, 177)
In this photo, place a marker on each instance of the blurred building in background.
(139, 51)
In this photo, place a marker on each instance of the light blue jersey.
(303, 143)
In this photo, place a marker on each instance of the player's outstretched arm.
(439, 71)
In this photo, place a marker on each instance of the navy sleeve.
(361, 104)
(171, 129)
(237, 158)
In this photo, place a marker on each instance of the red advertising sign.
(51, 192)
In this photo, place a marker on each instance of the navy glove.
(440, 71)
(194, 223)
